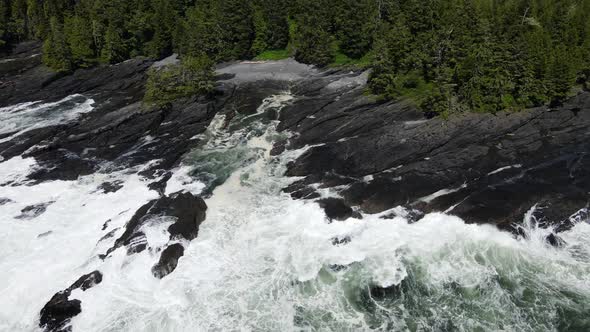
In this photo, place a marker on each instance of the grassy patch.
(341, 60)
(273, 55)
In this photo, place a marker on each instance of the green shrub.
(193, 76)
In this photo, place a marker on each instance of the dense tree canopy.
(445, 55)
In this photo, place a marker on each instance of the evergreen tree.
(235, 18)
(391, 49)
(38, 19)
(20, 19)
(356, 23)
(200, 32)
(313, 41)
(78, 32)
(561, 73)
(261, 32)
(193, 76)
(114, 49)
(56, 52)
(164, 24)
(4, 24)
(275, 16)
(445, 55)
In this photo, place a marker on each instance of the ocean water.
(265, 262)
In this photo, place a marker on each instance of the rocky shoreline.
(376, 155)
(484, 168)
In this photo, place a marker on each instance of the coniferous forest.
(444, 55)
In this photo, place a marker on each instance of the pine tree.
(237, 25)
(56, 52)
(192, 77)
(275, 14)
(4, 20)
(78, 32)
(114, 49)
(561, 73)
(313, 40)
(261, 32)
(356, 24)
(164, 23)
(20, 19)
(483, 55)
(392, 48)
(200, 31)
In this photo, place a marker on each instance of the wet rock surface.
(121, 131)
(336, 209)
(375, 155)
(168, 260)
(184, 211)
(57, 313)
(33, 211)
(485, 168)
(4, 200)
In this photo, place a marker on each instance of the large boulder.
(168, 260)
(186, 210)
(57, 313)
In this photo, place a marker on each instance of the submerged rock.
(111, 187)
(4, 200)
(33, 211)
(44, 234)
(340, 241)
(379, 293)
(56, 314)
(555, 240)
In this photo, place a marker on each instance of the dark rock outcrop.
(126, 137)
(120, 131)
(484, 168)
(555, 240)
(186, 210)
(168, 260)
(336, 209)
(57, 313)
(28, 80)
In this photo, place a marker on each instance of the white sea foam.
(502, 169)
(442, 192)
(33, 268)
(17, 119)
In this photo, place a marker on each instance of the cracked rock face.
(484, 168)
